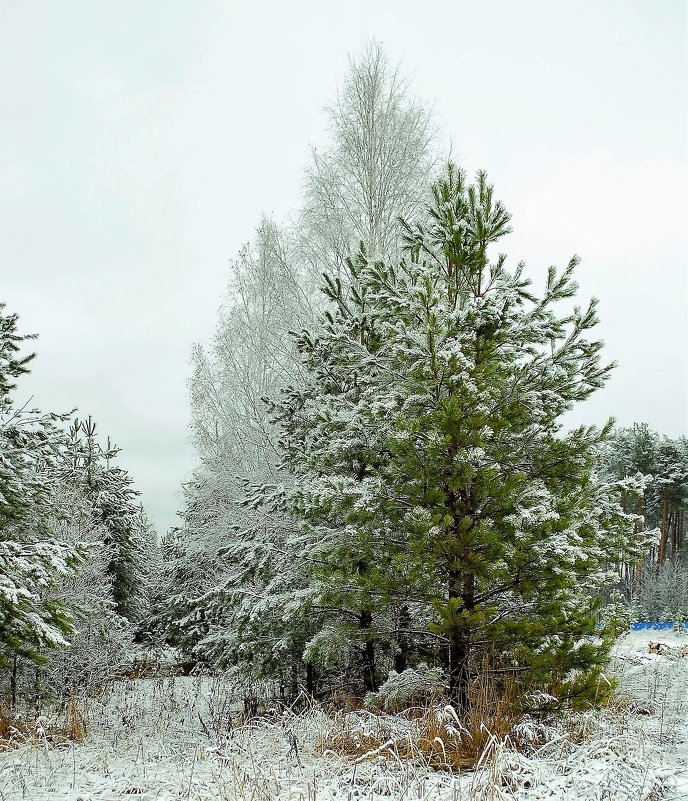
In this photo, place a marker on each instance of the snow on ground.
(170, 739)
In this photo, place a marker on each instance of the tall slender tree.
(380, 156)
(115, 509)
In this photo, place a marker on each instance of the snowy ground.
(169, 739)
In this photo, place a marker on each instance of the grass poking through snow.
(176, 739)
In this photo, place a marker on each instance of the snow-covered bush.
(411, 687)
(102, 640)
(616, 616)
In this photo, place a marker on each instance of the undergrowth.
(18, 729)
(499, 715)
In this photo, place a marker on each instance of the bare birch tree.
(376, 168)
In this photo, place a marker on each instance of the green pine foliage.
(115, 507)
(73, 542)
(430, 469)
(236, 594)
(32, 560)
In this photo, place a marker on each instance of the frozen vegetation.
(171, 738)
(387, 528)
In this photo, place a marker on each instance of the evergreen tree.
(100, 640)
(428, 462)
(671, 484)
(115, 509)
(661, 509)
(32, 559)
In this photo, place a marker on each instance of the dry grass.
(349, 739)
(434, 734)
(75, 726)
(146, 740)
(17, 730)
(14, 731)
(451, 742)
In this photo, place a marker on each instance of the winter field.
(168, 738)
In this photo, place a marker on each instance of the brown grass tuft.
(454, 743)
(436, 734)
(14, 731)
(75, 727)
(17, 730)
(348, 739)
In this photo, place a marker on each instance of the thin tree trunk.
(310, 679)
(365, 623)
(367, 652)
(639, 534)
(664, 530)
(401, 656)
(13, 681)
(680, 531)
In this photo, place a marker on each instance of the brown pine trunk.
(365, 621)
(460, 643)
(664, 530)
(680, 531)
(674, 534)
(401, 656)
(639, 534)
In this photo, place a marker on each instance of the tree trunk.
(13, 681)
(401, 656)
(365, 622)
(680, 531)
(639, 533)
(459, 654)
(367, 653)
(294, 677)
(664, 530)
(310, 679)
(460, 642)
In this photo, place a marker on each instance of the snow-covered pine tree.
(661, 508)
(32, 560)
(429, 465)
(101, 639)
(115, 508)
(671, 482)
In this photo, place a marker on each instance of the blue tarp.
(644, 624)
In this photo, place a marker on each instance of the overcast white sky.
(140, 142)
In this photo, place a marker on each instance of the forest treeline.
(384, 490)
